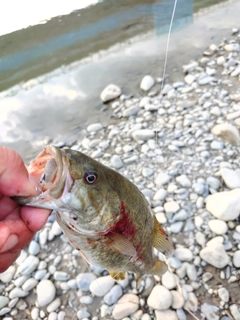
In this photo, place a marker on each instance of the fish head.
(72, 183)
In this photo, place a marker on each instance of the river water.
(52, 72)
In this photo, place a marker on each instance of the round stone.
(126, 305)
(33, 248)
(101, 286)
(215, 255)
(160, 298)
(218, 226)
(177, 299)
(147, 83)
(46, 292)
(236, 259)
(183, 254)
(169, 280)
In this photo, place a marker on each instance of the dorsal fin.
(160, 239)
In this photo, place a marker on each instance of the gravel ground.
(179, 145)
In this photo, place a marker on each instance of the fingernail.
(10, 243)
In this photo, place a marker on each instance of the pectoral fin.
(120, 244)
(160, 239)
(118, 275)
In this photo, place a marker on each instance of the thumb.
(13, 174)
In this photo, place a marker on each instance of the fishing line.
(168, 42)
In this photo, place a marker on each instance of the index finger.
(13, 174)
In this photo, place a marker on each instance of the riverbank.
(162, 141)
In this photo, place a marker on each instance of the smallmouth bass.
(103, 214)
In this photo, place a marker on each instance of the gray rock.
(131, 111)
(28, 265)
(169, 280)
(61, 276)
(3, 301)
(113, 295)
(224, 205)
(205, 80)
(29, 284)
(160, 194)
(223, 294)
(189, 79)
(177, 299)
(83, 313)
(217, 145)
(218, 226)
(54, 305)
(210, 311)
(17, 293)
(166, 315)
(215, 255)
(232, 47)
(160, 298)
(33, 248)
(46, 292)
(213, 182)
(101, 286)
(236, 259)
(110, 92)
(143, 134)
(231, 178)
(181, 314)
(191, 303)
(8, 275)
(94, 127)
(176, 227)
(183, 254)
(84, 280)
(4, 311)
(171, 207)
(116, 161)
(86, 299)
(126, 305)
(235, 311)
(184, 181)
(147, 83)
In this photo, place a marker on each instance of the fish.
(102, 213)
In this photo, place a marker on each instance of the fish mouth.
(47, 174)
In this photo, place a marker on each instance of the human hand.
(17, 223)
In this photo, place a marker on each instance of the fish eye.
(90, 177)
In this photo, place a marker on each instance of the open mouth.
(46, 170)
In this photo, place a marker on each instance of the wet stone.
(110, 92)
(147, 83)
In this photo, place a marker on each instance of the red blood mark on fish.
(163, 232)
(124, 226)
